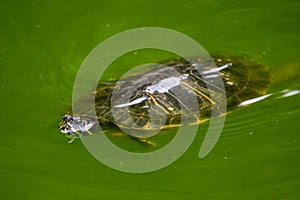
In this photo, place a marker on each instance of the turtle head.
(75, 125)
(65, 126)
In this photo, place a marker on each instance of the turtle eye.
(64, 130)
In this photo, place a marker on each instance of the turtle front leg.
(72, 137)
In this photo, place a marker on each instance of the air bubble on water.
(107, 25)
(74, 43)
(251, 133)
(227, 157)
(2, 50)
(38, 26)
(2, 58)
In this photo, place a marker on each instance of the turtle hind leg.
(144, 141)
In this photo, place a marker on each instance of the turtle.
(151, 103)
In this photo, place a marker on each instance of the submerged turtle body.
(241, 80)
(150, 99)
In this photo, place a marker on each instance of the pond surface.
(42, 45)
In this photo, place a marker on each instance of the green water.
(42, 45)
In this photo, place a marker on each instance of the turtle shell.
(146, 101)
